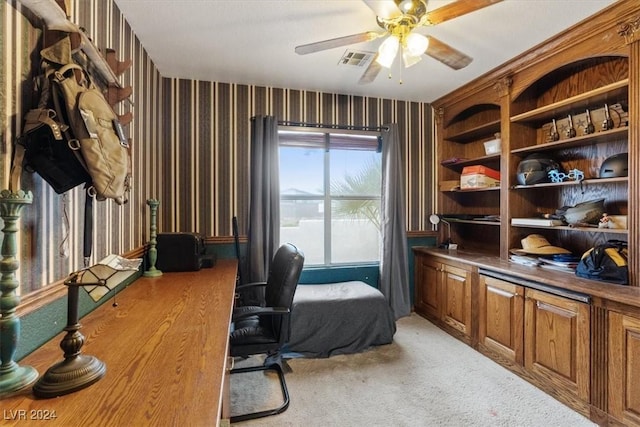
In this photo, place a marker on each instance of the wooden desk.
(165, 347)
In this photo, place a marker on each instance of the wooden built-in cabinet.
(443, 294)
(557, 345)
(501, 319)
(624, 367)
(576, 339)
(544, 337)
(576, 74)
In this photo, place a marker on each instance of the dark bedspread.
(339, 318)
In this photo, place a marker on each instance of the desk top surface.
(165, 348)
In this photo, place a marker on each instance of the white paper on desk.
(113, 268)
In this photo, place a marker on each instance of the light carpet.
(424, 378)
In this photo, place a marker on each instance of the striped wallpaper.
(206, 164)
(190, 145)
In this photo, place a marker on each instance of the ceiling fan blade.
(371, 72)
(446, 54)
(455, 9)
(383, 8)
(337, 42)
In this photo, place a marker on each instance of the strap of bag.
(88, 228)
(59, 76)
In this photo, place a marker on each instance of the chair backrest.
(284, 273)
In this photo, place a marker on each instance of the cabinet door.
(624, 368)
(501, 328)
(428, 278)
(456, 298)
(557, 341)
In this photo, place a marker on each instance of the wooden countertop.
(165, 348)
(603, 293)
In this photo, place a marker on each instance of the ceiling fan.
(400, 19)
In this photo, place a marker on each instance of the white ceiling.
(252, 42)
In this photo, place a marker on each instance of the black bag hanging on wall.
(47, 152)
(606, 262)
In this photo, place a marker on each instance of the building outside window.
(330, 188)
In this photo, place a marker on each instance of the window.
(330, 187)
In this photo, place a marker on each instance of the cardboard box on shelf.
(479, 177)
(450, 185)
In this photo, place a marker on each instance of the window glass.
(330, 187)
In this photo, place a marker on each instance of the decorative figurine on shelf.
(571, 132)
(608, 122)
(589, 128)
(553, 132)
(604, 221)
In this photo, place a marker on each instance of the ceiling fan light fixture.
(408, 59)
(405, 5)
(416, 44)
(387, 51)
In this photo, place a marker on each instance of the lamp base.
(72, 374)
(152, 272)
(16, 380)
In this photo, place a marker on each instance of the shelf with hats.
(563, 127)
(573, 102)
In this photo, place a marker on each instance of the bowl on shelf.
(585, 213)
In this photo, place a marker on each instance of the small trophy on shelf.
(571, 131)
(607, 123)
(553, 132)
(589, 128)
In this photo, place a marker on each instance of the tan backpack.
(96, 132)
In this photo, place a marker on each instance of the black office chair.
(264, 329)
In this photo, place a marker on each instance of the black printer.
(182, 252)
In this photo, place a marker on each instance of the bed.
(339, 318)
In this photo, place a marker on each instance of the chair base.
(285, 393)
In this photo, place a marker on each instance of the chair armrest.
(261, 311)
(245, 286)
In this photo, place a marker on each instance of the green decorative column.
(152, 271)
(12, 376)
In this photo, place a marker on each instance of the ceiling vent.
(356, 58)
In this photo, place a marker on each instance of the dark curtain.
(264, 201)
(394, 263)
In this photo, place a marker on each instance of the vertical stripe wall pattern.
(206, 158)
(190, 146)
(51, 229)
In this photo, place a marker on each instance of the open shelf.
(611, 92)
(592, 181)
(577, 229)
(483, 160)
(472, 190)
(473, 221)
(474, 133)
(578, 141)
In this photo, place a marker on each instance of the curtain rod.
(337, 127)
